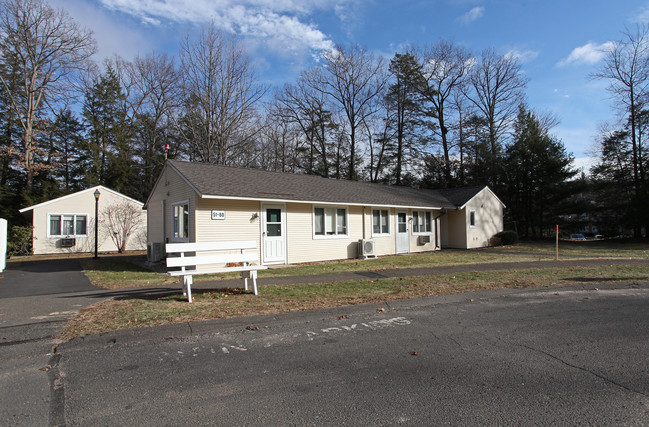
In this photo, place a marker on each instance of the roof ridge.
(298, 174)
(225, 181)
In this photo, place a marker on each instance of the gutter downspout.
(363, 222)
(442, 213)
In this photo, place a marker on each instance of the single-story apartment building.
(305, 218)
(67, 224)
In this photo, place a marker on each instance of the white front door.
(403, 242)
(273, 234)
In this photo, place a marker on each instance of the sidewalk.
(364, 275)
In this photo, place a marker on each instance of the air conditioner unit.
(422, 240)
(68, 242)
(367, 248)
(154, 251)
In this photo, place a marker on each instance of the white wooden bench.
(188, 257)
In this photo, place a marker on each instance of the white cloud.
(590, 53)
(523, 55)
(111, 37)
(584, 164)
(472, 15)
(641, 16)
(275, 22)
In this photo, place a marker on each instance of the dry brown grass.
(140, 311)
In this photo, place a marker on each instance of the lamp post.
(97, 194)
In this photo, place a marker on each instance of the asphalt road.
(36, 299)
(576, 355)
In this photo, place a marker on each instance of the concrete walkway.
(401, 272)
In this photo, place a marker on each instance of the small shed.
(67, 224)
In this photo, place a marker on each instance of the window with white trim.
(421, 222)
(380, 222)
(329, 221)
(180, 220)
(472, 219)
(68, 225)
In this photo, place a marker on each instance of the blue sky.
(559, 43)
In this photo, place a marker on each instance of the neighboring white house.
(304, 218)
(67, 224)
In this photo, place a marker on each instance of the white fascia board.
(155, 186)
(486, 187)
(317, 202)
(78, 193)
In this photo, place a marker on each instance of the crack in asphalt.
(17, 342)
(581, 368)
(57, 392)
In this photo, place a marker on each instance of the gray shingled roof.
(460, 196)
(225, 181)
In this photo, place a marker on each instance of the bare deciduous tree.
(306, 106)
(158, 81)
(444, 70)
(122, 221)
(497, 86)
(355, 79)
(281, 143)
(220, 92)
(46, 46)
(626, 68)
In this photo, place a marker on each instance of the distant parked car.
(577, 237)
(599, 236)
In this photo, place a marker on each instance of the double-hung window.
(62, 225)
(421, 222)
(329, 221)
(181, 220)
(380, 222)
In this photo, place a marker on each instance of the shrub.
(495, 241)
(19, 240)
(507, 237)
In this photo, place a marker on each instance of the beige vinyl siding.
(488, 216)
(242, 221)
(443, 230)
(457, 229)
(170, 189)
(385, 243)
(81, 204)
(489, 221)
(303, 246)
(414, 237)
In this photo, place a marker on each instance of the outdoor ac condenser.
(154, 251)
(367, 248)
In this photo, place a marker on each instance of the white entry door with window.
(273, 234)
(403, 242)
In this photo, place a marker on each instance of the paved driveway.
(36, 299)
(45, 277)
